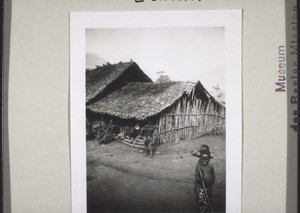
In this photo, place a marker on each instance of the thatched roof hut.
(107, 78)
(140, 101)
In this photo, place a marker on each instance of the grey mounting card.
(37, 75)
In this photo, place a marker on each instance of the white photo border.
(231, 20)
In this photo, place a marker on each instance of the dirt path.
(120, 178)
(120, 192)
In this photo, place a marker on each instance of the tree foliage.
(163, 78)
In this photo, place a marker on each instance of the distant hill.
(93, 60)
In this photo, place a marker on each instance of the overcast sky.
(185, 54)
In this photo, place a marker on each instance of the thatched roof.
(142, 100)
(101, 78)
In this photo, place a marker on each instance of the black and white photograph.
(152, 126)
(155, 119)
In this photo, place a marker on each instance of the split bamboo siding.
(189, 119)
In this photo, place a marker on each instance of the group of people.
(107, 132)
(146, 132)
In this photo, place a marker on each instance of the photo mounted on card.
(156, 111)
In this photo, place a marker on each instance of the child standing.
(204, 175)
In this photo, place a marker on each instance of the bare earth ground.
(121, 179)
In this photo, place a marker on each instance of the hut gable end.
(106, 79)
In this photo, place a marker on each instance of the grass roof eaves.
(141, 114)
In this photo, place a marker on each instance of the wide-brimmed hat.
(206, 155)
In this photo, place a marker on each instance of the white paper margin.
(231, 20)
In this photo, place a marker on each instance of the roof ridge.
(114, 64)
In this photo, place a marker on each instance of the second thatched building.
(108, 78)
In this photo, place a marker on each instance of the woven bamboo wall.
(190, 118)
